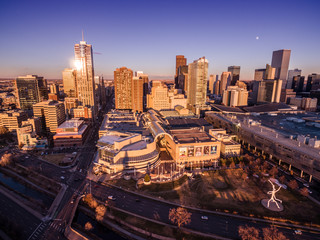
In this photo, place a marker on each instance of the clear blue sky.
(38, 37)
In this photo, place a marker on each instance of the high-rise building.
(123, 88)
(145, 80)
(180, 61)
(197, 84)
(269, 91)
(259, 74)
(162, 98)
(85, 76)
(137, 94)
(225, 81)
(30, 89)
(280, 61)
(69, 82)
(297, 83)
(234, 96)
(313, 82)
(51, 113)
(235, 74)
(217, 87)
(291, 74)
(270, 72)
(138, 73)
(212, 79)
(183, 78)
(13, 119)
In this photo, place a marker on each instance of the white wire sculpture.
(273, 195)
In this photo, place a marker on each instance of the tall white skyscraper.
(197, 84)
(85, 76)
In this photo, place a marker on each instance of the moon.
(257, 37)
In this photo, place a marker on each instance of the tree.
(274, 171)
(232, 165)
(241, 165)
(244, 176)
(147, 178)
(304, 192)
(3, 130)
(272, 233)
(88, 226)
(90, 201)
(293, 184)
(6, 159)
(248, 233)
(282, 179)
(100, 212)
(179, 216)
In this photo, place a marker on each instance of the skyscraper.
(197, 84)
(123, 88)
(137, 94)
(259, 74)
(225, 81)
(280, 61)
(85, 76)
(291, 74)
(313, 82)
(69, 82)
(269, 91)
(235, 74)
(30, 90)
(180, 61)
(212, 79)
(235, 96)
(270, 72)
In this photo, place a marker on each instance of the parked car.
(204, 217)
(298, 232)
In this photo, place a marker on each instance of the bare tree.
(6, 159)
(100, 212)
(272, 233)
(282, 179)
(232, 165)
(248, 233)
(179, 216)
(274, 171)
(304, 192)
(88, 226)
(293, 184)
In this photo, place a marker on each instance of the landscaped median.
(231, 191)
(139, 225)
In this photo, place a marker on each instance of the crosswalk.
(39, 232)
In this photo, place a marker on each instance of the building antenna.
(82, 35)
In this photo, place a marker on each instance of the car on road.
(297, 232)
(62, 177)
(306, 185)
(111, 198)
(204, 217)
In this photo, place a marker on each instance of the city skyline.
(249, 44)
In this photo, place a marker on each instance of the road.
(216, 224)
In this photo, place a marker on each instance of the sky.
(38, 37)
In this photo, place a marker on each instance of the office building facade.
(280, 61)
(30, 89)
(235, 74)
(123, 88)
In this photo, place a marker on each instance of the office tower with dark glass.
(280, 61)
(30, 90)
(85, 76)
(180, 61)
(235, 74)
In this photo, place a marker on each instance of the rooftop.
(72, 123)
(190, 136)
(187, 123)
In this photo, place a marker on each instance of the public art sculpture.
(273, 204)
(273, 195)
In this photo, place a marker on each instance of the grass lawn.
(226, 190)
(54, 158)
